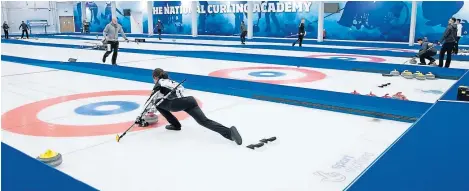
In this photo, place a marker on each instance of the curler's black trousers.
(191, 107)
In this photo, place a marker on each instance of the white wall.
(137, 9)
(65, 8)
(136, 22)
(17, 11)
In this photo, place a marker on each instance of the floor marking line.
(454, 101)
(166, 57)
(21, 74)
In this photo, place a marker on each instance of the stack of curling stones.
(409, 75)
(50, 158)
(398, 95)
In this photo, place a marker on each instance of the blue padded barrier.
(289, 48)
(431, 156)
(443, 73)
(21, 172)
(270, 40)
(452, 93)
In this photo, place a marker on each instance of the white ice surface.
(309, 141)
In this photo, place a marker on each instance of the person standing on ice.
(24, 29)
(244, 32)
(449, 39)
(5, 28)
(159, 26)
(178, 102)
(111, 36)
(301, 33)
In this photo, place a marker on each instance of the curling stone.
(386, 96)
(395, 73)
(430, 76)
(371, 94)
(355, 92)
(420, 76)
(416, 73)
(413, 61)
(151, 118)
(399, 95)
(406, 74)
(50, 158)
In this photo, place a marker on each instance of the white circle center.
(107, 107)
(267, 74)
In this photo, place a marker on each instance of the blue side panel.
(444, 73)
(305, 41)
(452, 93)
(309, 49)
(432, 156)
(21, 172)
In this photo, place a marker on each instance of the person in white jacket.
(458, 36)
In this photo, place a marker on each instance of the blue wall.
(175, 23)
(219, 23)
(433, 16)
(368, 20)
(98, 14)
(357, 20)
(285, 24)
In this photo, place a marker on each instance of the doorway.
(66, 24)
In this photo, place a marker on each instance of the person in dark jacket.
(244, 32)
(159, 27)
(427, 50)
(5, 28)
(24, 29)
(301, 33)
(177, 101)
(86, 27)
(449, 39)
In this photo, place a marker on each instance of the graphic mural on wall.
(356, 20)
(369, 20)
(433, 16)
(271, 18)
(373, 21)
(98, 14)
(173, 20)
(125, 20)
(281, 19)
